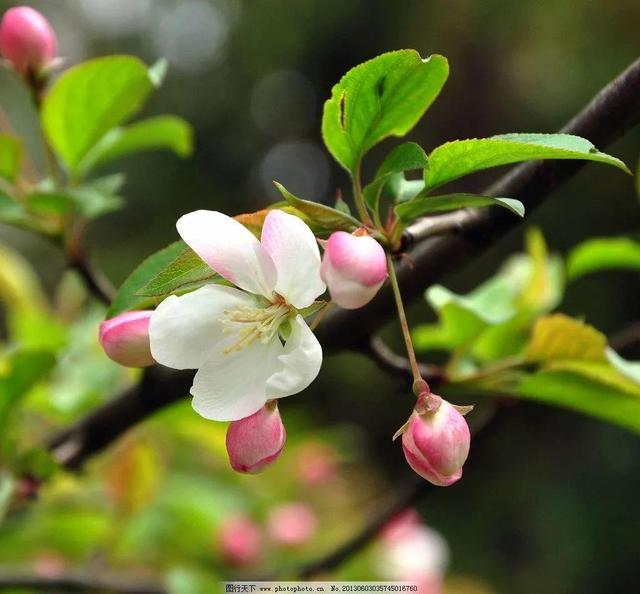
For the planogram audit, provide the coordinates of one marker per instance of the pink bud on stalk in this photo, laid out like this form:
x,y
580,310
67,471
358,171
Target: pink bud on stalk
x,y
27,41
125,339
256,441
240,541
354,268
436,440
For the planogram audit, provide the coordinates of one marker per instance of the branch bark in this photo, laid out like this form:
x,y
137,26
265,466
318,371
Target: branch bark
x,y
612,112
76,583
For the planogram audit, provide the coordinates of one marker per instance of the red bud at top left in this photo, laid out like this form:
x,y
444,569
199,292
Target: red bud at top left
x,y
27,40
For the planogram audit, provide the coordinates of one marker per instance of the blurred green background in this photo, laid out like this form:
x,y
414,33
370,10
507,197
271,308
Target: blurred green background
x,y
551,505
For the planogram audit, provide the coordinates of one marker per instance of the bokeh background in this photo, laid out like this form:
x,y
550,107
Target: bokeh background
x,y
551,505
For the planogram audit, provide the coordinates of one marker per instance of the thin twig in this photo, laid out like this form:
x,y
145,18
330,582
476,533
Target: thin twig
x,y
77,583
391,362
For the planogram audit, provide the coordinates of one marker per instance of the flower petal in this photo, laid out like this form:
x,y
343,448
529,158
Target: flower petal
x,y
230,249
232,386
184,330
300,362
294,251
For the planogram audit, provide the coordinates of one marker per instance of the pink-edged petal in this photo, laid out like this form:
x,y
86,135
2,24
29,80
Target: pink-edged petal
x,y
299,362
184,330
230,249
294,251
232,386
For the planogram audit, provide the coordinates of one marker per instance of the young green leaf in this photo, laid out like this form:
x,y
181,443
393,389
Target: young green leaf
x,y
324,217
456,159
13,213
10,157
558,337
162,132
603,253
90,99
424,205
579,392
187,269
385,96
127,298
406,157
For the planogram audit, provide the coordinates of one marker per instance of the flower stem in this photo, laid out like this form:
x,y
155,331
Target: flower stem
x,y
358,197
418,381
320,316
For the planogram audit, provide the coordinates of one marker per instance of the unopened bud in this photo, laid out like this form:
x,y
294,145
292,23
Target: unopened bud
x,y
354,268
240,541
125,339
436,444
256,441
292,524
27,40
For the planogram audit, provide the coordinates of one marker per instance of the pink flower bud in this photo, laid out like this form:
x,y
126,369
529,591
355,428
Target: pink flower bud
x,y
436,444
354,268
27,40
240,541
256,441
292,524
125,339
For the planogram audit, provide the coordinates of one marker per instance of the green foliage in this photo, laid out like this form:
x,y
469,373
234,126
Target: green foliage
x,y
90,99
405,157
21,371
322,216
186,270
456,159
10,157
423,205
14,213
161,132
127,297
603,253
385,96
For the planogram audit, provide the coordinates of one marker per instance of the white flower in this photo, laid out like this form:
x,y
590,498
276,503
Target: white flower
x,y
249,344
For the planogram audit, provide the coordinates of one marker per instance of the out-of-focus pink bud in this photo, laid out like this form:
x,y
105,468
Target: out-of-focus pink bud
x,y
256,441
436,443
240,541
354,268
27,40
292,524
401,526
125,339
316,464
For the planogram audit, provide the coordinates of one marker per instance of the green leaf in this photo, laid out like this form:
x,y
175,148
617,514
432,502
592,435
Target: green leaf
x,y
187,269
582,394
406,157
162,132
558,337
385,96
603,253
91,200
23,371
13,213
127,298
325,217
456,159
10,157
630,369
423,205
401,189
158,72
90,99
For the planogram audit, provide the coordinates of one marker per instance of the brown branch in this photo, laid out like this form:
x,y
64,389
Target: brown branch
x,y
607,117
396,364
76,583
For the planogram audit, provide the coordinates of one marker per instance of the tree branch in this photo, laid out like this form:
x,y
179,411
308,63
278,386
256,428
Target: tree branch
x,y
396,364
612,112
76,583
